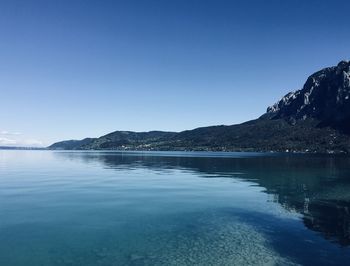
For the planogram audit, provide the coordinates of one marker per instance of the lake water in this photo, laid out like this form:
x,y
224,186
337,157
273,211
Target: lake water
x,y
168,208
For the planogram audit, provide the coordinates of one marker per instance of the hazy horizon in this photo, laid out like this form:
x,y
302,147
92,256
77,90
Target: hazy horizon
x,y
76,69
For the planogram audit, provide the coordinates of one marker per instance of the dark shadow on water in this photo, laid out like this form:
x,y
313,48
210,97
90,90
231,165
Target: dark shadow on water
x,y
331,218
299,244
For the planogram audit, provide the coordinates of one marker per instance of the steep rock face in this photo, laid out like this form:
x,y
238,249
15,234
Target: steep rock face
x,y
325,96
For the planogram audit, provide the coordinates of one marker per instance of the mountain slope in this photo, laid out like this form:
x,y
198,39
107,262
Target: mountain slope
x,y
116,140
71,144
313,119
124,139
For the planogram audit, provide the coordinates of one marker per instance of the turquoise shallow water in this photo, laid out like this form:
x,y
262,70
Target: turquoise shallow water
x,y
169,208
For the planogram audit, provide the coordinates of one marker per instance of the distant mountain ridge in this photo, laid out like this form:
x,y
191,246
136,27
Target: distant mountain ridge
x,y
313,119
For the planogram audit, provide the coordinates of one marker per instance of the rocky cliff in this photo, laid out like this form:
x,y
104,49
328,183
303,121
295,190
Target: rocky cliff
x,y
325,97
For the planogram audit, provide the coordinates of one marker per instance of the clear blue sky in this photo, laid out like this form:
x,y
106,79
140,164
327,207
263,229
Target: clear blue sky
x,y
75,69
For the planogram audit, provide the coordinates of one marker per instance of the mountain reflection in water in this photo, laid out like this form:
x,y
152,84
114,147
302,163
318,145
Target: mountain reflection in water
x,y
315,186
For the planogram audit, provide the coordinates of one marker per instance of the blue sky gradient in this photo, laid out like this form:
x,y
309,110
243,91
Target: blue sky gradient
x,y
75,69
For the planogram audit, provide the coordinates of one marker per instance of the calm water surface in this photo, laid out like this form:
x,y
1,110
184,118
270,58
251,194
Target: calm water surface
x,y
123,208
